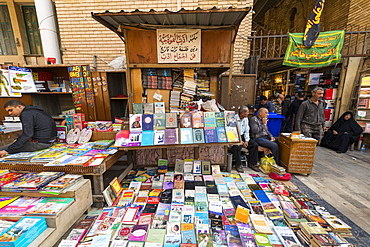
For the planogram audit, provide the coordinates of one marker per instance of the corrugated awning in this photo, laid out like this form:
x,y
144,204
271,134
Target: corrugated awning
x,y
199,18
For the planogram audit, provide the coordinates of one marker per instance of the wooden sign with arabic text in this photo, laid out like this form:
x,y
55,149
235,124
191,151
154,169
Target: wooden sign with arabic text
x,y
179,45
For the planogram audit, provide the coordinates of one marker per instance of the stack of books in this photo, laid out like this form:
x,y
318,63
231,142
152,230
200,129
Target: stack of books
x,y
190,87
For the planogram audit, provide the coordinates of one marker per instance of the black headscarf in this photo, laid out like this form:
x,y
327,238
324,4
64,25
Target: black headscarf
x,y
350,126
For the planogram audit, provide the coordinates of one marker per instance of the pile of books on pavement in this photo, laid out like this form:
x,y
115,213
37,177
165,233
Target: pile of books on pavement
x,y
205,207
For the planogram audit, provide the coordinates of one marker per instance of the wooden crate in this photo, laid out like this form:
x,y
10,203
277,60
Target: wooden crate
x,y
297,155
58,225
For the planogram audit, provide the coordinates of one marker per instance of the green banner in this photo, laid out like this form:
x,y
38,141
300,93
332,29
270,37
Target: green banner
x,y
324,52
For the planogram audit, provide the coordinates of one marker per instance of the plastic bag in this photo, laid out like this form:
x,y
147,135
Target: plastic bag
x,y
266,163
119,63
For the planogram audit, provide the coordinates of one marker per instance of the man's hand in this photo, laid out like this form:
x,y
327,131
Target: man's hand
x,y
3,153
245,144
264,121
272,139
335,133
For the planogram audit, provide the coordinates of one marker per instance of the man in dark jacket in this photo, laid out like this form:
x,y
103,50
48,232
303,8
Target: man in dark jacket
x,y
39,130
292,111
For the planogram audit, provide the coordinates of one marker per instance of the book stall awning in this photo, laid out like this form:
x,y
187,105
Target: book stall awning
x,y
207,19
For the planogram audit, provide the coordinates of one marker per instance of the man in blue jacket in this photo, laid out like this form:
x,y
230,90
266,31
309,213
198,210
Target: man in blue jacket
x,y
39,130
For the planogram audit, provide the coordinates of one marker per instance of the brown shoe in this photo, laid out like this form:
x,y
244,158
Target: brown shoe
x,y
254,168
239,169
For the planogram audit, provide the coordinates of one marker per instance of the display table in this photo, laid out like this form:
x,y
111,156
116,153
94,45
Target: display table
x,y
96,171
297,155
58,225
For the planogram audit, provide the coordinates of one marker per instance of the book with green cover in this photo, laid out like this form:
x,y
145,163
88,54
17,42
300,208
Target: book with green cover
x,y
156,235
137,108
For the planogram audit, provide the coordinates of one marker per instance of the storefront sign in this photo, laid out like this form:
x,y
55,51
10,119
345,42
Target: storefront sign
x,y
324,52
178,45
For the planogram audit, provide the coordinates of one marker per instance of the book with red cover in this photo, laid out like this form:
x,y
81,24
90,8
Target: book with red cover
x,y
9,177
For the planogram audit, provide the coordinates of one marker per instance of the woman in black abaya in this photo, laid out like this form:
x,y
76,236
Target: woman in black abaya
x,y
344,132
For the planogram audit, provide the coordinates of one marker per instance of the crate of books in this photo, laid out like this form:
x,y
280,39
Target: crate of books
x,y
23,232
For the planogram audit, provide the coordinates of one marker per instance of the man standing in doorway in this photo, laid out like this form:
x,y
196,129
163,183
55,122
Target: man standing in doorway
x,y
310,117
252,146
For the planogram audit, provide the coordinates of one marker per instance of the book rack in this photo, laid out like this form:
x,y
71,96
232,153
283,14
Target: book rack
x,y
96,172
59,224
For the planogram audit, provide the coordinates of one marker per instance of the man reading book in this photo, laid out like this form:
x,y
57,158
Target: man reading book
x,y
39,130
251,145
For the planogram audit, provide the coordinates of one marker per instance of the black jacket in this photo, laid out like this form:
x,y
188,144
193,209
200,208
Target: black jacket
x,y
37,125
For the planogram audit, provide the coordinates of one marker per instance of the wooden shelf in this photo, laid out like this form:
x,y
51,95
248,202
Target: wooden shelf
x,y
53,93
364,97
363,108
362,119
118,98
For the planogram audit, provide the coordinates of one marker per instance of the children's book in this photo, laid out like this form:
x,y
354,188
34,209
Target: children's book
x,y
50,206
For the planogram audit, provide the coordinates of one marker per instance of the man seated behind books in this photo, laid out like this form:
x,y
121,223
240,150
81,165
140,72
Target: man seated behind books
x,y
39,130
252,146
262,135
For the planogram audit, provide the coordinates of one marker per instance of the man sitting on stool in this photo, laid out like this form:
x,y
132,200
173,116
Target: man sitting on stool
x,y
262,135
252,146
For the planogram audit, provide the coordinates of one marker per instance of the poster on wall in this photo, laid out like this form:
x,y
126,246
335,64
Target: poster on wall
x,y
21,80
5,90
326,50
179,45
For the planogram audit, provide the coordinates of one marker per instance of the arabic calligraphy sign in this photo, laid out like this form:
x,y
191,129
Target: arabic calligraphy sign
x,y
313,24
324,52
178,45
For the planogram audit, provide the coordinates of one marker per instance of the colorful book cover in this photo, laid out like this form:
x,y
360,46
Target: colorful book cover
x,y
159,107
197,119
186,120
210,135
137,108
219,238
230,119
209,119
148,122
139,233
198,135
159,121
50,206
197,167
220,119
122,138
232,134
171,136
221,134
147,138
188,233
5,200
135,138
186,136
136,122
171,120
162,165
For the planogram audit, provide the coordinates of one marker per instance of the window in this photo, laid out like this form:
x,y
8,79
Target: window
x,y
7,42
32,29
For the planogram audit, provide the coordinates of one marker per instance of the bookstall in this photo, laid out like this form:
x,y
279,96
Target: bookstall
x,y
79,200
176,48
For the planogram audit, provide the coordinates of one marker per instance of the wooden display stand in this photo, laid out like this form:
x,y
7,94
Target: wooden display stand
x,y
58,225
7,136
297,155
96,172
